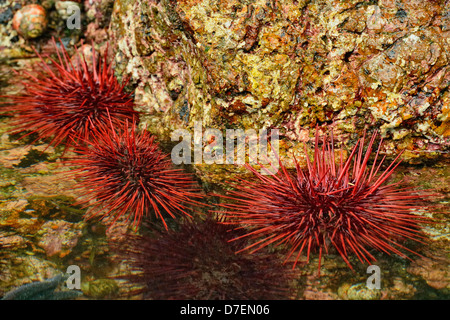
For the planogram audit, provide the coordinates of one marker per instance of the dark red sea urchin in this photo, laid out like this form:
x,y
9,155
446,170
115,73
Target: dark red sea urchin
x,y
67,100
126,174
346,205
198,261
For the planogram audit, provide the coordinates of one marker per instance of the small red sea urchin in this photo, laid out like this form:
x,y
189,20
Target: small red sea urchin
x,y
348,205
68,100
126,174
198,261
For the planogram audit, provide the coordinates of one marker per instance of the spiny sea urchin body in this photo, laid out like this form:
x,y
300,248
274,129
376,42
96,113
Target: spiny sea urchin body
x,y
347,205
67,100
126,174
198,261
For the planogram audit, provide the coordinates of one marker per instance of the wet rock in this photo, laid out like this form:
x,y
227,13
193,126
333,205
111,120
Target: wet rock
x,y
401,289
12,241
291,65
100,288
22,156
67,8
45,185
59,237
25,269
434,270
380,72
360,291
6,15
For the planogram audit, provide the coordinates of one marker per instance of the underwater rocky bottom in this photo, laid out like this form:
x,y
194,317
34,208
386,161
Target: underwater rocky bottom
x,y
42,233
297,62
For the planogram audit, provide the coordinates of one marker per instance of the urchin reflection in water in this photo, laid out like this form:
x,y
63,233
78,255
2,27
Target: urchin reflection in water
x,y
198,261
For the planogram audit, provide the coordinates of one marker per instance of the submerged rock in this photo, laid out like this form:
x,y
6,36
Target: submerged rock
x,y
59,237
434,270
360,291
100,288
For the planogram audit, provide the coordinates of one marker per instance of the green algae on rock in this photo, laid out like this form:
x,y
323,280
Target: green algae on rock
x,y
100,288
360,291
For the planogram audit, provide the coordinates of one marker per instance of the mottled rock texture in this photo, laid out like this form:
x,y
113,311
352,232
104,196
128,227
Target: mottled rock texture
x,y
292,65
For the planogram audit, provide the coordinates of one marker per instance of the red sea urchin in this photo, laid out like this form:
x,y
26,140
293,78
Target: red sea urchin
x,y
66,101
198,261
126,174
346,205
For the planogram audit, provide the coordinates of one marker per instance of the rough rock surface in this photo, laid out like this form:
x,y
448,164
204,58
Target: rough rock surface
x,y
292,65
